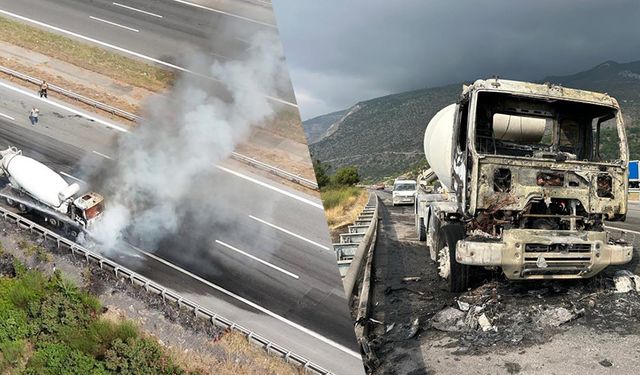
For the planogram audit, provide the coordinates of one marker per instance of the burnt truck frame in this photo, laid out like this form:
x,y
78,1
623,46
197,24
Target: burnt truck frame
x,y
536,212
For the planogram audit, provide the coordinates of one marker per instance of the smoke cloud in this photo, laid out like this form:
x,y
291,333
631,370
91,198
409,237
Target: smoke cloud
x,y
159,179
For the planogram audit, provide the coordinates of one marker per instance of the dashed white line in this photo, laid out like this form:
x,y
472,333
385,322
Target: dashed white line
x,y
137,10
72,177
114,24
254,305
133,53
58,105
92,40
290,233
103,155
258,259
225,13
264,184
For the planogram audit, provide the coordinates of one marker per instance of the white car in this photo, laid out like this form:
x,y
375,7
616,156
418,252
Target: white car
x,y
404,192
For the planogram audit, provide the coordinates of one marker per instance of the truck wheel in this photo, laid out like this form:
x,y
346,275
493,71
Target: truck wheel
x,y
23,208
422,230
456,274
10,202
54,222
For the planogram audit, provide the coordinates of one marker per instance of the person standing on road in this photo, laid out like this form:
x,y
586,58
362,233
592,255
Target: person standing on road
x,y
43,89
33,115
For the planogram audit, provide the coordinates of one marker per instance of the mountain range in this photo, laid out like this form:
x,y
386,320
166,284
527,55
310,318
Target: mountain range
x,y
383,136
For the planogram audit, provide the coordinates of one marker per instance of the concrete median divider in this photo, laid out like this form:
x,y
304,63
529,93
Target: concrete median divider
x,y
166,294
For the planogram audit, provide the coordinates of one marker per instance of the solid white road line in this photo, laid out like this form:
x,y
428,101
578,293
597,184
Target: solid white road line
x,y
253,305
61,106
290,233
7,116
114,24
225,13
137,10
258,260
622,229
281,191
72,177
133,53
103,155
104,44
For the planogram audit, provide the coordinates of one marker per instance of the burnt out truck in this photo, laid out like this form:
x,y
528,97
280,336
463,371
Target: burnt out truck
x,y
527,185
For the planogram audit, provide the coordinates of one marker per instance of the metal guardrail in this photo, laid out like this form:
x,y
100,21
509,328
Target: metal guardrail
x,y
72,95
167,295
275,170
133,117
370,212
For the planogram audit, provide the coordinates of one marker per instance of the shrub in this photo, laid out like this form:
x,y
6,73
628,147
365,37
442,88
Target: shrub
x,y
346,176
54,359
11,352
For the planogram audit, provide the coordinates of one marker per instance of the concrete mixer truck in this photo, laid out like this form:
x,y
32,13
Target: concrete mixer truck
x,y
34,188
525,184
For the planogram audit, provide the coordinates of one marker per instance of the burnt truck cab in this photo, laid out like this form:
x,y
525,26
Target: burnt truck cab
x,y
536,171
87,209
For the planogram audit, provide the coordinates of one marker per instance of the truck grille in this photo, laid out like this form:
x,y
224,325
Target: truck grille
x,y
561,259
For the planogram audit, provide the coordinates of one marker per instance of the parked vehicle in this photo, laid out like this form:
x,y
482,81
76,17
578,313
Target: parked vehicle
x,y
404,192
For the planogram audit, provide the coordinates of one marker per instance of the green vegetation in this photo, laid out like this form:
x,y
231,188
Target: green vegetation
x,y
383,136
49,326
84,55
335,196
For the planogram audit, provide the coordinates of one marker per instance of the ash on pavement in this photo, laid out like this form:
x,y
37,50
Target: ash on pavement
x,y
412,310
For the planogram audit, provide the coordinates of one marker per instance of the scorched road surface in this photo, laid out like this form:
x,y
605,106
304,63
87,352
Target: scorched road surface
x,y
264,263
417,327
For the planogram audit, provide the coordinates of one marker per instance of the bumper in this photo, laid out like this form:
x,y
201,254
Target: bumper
x,y
404,200
544,254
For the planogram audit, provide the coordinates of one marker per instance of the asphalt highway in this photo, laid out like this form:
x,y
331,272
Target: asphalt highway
x,y
264,262
165,32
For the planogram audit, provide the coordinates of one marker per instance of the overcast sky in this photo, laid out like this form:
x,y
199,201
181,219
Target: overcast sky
x,y
340,52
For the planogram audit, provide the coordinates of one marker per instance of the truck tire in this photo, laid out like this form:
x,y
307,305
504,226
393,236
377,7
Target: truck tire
x,y
458,275
421,229
10,202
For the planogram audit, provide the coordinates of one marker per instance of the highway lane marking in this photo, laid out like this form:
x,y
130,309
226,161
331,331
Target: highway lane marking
x,y
290,233
114,24
124,50
264,184
254,305
103,155
225,13
96,41
61,106
622,229
72,177
7,116
137,10
258,260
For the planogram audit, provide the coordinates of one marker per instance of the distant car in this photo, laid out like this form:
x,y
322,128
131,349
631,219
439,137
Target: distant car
x,y
379,186
404,192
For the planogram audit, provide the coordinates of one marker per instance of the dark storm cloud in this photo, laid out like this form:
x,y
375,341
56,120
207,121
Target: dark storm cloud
x,y
340,52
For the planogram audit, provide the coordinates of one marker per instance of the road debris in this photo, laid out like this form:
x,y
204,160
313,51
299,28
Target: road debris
x,y
449,320
625,281
485,324
605,363
410,279
413,330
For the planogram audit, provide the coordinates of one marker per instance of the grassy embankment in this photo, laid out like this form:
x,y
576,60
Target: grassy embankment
x,y
50,326
343,204
111,64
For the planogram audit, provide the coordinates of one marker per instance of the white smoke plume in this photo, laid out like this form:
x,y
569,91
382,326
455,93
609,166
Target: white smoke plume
x,y
184,134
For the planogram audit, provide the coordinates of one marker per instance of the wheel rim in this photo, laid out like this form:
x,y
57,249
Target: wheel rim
x,y
10,202
22,207
53,222
444,265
